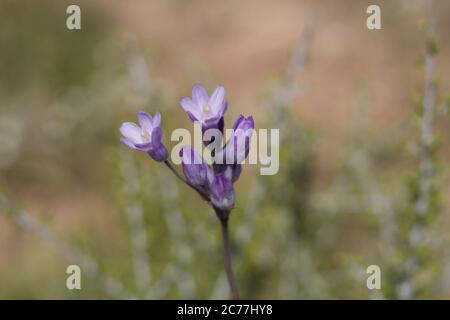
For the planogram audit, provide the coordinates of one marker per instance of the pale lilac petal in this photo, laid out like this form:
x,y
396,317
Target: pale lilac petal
x,y
194,112
216,101
199,95
157,120
127,142
146,121
131,131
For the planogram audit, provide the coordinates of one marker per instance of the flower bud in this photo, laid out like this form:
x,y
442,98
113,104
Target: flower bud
x,y
195,169
222,192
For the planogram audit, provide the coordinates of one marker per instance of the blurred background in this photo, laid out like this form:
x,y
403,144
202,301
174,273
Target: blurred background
x,y
347,100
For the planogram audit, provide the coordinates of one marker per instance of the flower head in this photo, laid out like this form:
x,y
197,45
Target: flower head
x,y
146,137
196,171
207,110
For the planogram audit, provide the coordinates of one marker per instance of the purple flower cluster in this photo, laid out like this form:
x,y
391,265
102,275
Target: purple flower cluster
x,y
213,182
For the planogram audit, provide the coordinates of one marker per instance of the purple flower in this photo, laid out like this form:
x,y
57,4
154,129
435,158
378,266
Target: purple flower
x,y
222,192
196,171
207,110
238,146
146,137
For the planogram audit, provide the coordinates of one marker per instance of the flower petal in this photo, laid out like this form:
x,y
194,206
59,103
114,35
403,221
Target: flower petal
x,y
127,142
146,121
156,137
216,101
157,120
199,95
131,131
191,109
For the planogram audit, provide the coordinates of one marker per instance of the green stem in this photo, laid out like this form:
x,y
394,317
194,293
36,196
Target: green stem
x,y
227,257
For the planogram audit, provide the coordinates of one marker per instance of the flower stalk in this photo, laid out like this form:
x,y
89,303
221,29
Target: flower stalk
x,y
223,217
